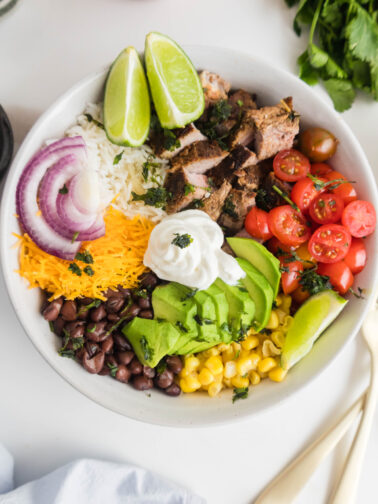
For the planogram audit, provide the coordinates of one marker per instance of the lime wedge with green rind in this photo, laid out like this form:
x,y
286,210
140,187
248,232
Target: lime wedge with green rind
x,y
127,102
174,83
312,318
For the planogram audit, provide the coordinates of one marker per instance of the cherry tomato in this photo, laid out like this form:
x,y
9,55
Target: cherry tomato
x,y
359,218
256,224
339,275
274,245
304,192
345,190
326,208
317,144
291,165
300,295
288,225
330,243
290,274
303,253
356,257
320,169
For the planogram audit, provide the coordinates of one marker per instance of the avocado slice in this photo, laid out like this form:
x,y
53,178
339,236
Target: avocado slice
x,y
221,310
259,257
259,290
151,339
241,306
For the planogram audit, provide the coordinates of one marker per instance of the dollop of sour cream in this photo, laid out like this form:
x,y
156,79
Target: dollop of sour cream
x,y
198,264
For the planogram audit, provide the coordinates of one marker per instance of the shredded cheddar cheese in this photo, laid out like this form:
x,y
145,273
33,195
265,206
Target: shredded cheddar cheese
x,y
117,260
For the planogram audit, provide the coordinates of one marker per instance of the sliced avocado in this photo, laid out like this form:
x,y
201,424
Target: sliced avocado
x,y
259,290
151,339
241,306
259,257
220,302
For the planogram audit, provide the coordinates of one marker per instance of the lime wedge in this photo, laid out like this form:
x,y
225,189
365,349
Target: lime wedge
x,y
312,318
127,102
175,86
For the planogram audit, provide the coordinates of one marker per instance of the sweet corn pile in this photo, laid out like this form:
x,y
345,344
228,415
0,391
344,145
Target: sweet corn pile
x,y
240,364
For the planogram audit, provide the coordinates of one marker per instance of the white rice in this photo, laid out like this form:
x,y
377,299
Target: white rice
x,y
126,176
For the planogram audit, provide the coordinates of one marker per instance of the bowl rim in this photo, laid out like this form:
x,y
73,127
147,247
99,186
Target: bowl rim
x,y
85,81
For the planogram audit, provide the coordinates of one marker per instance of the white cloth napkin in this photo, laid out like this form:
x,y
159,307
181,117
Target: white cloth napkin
x,y
89,481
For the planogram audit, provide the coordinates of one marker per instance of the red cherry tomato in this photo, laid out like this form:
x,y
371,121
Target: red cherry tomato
x,y
304,192
291,165
345,190
356,257
326,208
359,218
274,245
288,225
290,275
300,295
339,275
320,169
256,224
330,243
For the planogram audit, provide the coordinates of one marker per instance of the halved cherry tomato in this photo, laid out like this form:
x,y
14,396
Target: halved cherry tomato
x,y
326,208
288,225
345,190
339,275
300,295
304,192
318,144
356,257
291,165
330,243
290,274
320,169
274,245
256,224
359,218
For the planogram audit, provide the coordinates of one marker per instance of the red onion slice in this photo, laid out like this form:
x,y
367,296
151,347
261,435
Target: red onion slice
x,y
85,192
70,216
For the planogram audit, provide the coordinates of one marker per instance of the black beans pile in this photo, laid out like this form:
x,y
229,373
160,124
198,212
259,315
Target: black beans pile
x,y
91,333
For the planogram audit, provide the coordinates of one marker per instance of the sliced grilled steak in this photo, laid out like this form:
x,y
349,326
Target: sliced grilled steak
x,y
243,157
240,101
237,205
275,128
214,203
215,88
267,198
199,157
245,133
223,171
185,136
249,178
185,187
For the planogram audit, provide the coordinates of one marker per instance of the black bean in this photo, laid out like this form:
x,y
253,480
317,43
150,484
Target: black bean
x,y
122,374
144,303
149,372
93,364
147,314
126,293
173,390
111,361
142,383
114,304
165,379
85,301
96,331
69,310
121,342
132,311
135,367
125,357
174,363
149,281
113,317
107,345
105,371
98,314
109,293
82,314
75,329
52,310
58,326
91,348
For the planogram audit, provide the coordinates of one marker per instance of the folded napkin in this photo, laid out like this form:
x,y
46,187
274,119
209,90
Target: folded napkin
x,y
89,481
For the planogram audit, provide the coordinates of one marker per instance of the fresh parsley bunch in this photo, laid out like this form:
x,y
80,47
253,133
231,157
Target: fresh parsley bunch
x,y
342,48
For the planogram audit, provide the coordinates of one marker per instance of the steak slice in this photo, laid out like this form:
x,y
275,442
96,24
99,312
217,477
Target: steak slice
x,y
243,157
245,133
238,203
240,101
185,187
275,128
223,171
250,178
214,87
214,203
267,198
199,157
185,136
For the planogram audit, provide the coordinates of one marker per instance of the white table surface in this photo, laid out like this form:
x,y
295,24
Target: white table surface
x,y
45,47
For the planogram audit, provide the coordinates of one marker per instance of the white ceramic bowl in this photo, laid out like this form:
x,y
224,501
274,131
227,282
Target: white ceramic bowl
x,y
271,85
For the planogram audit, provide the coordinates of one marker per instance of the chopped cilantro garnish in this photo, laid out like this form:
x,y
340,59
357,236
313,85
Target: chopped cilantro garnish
x,y
229,208
84,256
63,190
74,236
90,118
189,188
113,369
88,271
240,393
182,241
181,326
155,196
118,158
312,282
148,352
74,268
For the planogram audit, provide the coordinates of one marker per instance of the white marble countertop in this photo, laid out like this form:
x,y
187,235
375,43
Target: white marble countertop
x,y
45,47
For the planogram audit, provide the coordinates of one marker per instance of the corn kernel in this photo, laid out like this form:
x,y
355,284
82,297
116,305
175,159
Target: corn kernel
x,y
222,347
205,377
278,338
243,365
236,346
269,349
239,382
250,342
288,321
262,375
214,389
279,299
229,369
227,382
286,304
184,373
273,321
228,354
190,383
278,374
210,352
191,363
281,315
254,378
215,364
265,365
255,358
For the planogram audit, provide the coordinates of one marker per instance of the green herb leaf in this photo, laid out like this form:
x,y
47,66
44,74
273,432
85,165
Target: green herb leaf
x,y
312,282
113,369
181,326
148,352
118,158
74,268
362,34
240,393
84,257
189,188
74,236
90,118
171,142
359,294
88,271
229,208
190,294
285,196
155,196
182,241
341,93
63,190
